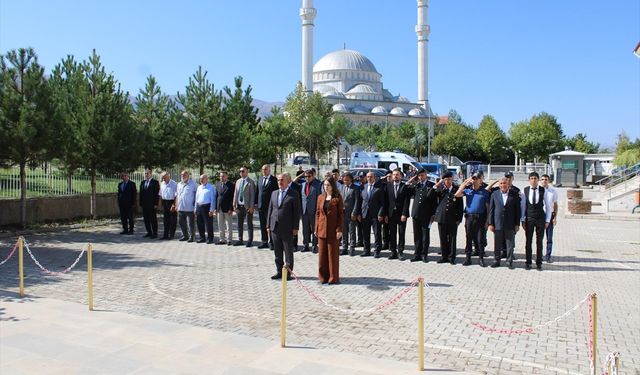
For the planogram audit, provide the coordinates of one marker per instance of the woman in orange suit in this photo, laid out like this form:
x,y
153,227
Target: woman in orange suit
x,y
329,216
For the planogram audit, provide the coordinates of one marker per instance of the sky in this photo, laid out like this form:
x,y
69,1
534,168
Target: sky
x,y
510,59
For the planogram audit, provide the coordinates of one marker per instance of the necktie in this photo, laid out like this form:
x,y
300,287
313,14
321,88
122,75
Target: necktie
x,y
369,192
241,199
280,197
307,189
533,199
395,189
266,179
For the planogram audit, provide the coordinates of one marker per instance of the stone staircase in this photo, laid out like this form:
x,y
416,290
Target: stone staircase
x,y
621,196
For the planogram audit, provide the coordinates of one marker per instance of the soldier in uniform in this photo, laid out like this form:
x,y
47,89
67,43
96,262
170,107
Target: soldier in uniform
x,y
448,216
422,212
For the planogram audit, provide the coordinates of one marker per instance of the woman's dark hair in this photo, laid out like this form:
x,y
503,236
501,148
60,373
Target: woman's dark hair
x,y
334,188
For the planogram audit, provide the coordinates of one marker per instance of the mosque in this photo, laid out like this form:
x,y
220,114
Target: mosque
x,y
350,82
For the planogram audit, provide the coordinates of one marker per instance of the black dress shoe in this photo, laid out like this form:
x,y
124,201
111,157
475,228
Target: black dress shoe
x,y
467,262
376,254
475,253
124,232
249,244
202,240
481,262
352,252
495,265
416,259
527,267
503,255
221,242
190,240
366,253
209,242
183,239
442,260
130,232
155,235
344,252
277,276
394,255
539,267
511,266
263,246
425,259
147,235
314,250
305,249
360,244
452,261
401,255
238,243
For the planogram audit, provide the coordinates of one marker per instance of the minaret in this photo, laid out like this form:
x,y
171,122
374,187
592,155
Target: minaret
x,y
422,31
307,14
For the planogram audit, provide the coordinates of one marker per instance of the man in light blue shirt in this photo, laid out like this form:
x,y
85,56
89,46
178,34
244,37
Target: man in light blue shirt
x,y
205,206
185,205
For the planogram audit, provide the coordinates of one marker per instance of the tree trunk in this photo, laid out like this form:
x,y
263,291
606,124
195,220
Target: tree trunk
x,y
201,167
69,183
23,194
93,195
338,156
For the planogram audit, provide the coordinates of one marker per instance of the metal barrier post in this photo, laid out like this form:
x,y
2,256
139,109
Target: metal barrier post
x,y
594,329
283,316
421,324
21,264
90,275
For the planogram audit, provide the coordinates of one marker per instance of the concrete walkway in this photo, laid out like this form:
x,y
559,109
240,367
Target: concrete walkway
x,y
48,336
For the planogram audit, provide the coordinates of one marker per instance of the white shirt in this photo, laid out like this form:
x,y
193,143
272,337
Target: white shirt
x,y
186,194
206,194
168,190
547,204
505,196
553,194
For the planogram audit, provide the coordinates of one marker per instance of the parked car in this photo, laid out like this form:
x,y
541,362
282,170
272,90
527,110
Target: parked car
x,y
304,160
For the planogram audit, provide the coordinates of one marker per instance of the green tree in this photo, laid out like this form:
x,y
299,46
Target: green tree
x,y
492,140
420,139
627,152
310,117
155,116
202,121
458,140
536,138
112,139
580,143
71,114
278,137
24,113
240,121
339,128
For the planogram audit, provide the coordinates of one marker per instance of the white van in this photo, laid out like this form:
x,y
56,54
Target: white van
x,y
386,160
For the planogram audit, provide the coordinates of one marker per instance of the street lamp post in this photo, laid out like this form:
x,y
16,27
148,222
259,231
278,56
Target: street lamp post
x,y
429,112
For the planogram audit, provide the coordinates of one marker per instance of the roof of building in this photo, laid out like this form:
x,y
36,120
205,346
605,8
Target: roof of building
x,y
344,59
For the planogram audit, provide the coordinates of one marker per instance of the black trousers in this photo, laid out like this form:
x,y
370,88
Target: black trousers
x,y
150,219
385,234
126,217
421,237
282,249
367,225
264,234
169,219
348,232
243,213
448,233
397,230
308,227
530,226
359,229
473,225
203,219
500,238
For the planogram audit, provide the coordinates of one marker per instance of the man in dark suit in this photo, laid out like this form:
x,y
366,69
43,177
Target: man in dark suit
x,y
371,215
225,190
422,212
396,213
536,207
267,184
149,189
385,225
351,198
503,220
126,203
310,189
283,220
448,216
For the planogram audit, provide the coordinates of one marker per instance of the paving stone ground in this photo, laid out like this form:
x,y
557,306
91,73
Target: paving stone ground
x,y
228,289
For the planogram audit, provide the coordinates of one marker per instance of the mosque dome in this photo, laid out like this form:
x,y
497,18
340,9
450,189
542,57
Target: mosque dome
x,y
416,112
344,59
340,108
333,94
363,91
402,99
379,110
398,111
